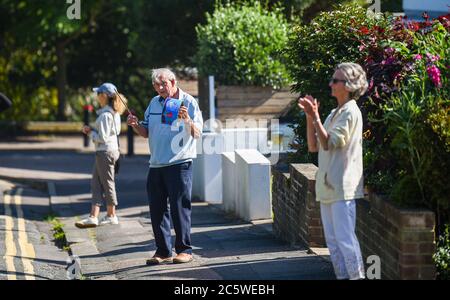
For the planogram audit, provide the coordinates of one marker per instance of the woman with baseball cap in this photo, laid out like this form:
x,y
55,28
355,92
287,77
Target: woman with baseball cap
x,y
105,135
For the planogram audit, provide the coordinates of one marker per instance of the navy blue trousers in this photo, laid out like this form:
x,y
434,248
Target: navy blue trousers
x,y
173,183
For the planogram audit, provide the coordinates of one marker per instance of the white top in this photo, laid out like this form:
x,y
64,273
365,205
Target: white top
x,y
104,134
340,174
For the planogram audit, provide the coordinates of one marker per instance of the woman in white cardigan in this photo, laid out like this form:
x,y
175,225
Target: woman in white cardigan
x,y
339,180
105,134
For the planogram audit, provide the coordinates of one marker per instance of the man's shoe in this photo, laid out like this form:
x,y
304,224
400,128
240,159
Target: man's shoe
x,y
158,260
183,258
87,223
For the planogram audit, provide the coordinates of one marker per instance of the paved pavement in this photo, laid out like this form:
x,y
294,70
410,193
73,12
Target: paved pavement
x,y
224,247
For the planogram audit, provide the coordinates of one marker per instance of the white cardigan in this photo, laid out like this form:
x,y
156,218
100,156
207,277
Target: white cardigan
x,y
340,174
104,134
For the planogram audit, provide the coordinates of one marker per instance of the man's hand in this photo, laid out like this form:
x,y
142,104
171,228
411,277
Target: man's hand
x,y
183,114
132,121
86,130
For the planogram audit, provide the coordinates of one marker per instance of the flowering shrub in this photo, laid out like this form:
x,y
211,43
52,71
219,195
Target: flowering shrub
x,y
417,121
442,255
406,108
315,49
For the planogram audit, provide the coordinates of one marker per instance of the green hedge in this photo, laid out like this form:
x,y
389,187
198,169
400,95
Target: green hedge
x,y
240,45
406,109
314,51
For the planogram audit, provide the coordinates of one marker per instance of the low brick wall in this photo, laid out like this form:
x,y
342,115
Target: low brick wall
x,y
296,213
402,238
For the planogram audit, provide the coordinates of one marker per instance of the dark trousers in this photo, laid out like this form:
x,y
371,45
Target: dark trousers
x,y
173,183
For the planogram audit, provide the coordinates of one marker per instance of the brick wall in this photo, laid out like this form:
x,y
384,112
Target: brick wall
x,y
402,238
296,213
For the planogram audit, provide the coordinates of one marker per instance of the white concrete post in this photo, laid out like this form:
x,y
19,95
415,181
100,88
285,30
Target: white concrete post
x,y
229,192
253,185
207,180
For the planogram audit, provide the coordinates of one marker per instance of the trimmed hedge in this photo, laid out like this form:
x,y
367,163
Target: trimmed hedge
x,y
240,45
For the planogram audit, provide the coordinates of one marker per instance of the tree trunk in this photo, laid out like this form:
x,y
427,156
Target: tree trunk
x,y
61,80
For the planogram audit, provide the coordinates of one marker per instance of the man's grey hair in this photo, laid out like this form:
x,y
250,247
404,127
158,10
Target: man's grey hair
x,y
163,72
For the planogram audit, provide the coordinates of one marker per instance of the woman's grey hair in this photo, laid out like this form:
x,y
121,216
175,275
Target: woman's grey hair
x,y
163,72
356,79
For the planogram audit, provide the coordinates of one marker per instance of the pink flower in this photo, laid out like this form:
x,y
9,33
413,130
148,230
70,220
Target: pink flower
x,y
435,75
417,57
389,51
433,58
389,61
371,84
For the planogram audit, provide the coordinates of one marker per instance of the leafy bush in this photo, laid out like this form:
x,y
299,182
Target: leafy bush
x,y
417,121
32,100
406,108
240,45
442,255
314,51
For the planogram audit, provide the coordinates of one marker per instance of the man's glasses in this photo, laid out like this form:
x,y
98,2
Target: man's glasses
x,y
335,80
160,84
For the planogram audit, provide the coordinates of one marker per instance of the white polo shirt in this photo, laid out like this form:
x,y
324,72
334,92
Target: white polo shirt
x,y
171,144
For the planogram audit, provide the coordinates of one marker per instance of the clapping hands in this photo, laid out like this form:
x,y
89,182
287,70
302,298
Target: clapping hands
x,y
309,105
